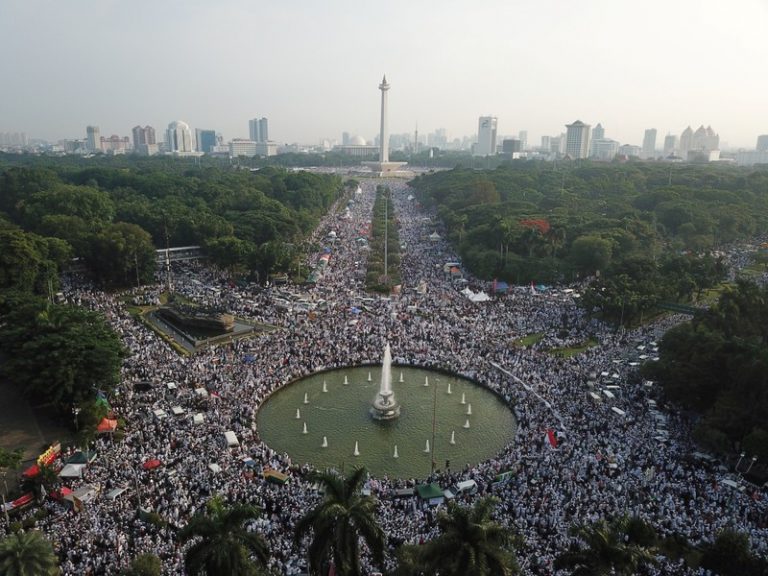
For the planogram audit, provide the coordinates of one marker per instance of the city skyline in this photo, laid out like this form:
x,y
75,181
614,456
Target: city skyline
x,y
316,64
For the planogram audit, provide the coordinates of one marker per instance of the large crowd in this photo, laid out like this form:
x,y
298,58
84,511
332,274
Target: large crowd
x,y
617,450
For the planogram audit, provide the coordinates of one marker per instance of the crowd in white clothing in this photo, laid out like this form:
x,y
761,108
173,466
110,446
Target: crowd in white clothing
x,y
636,459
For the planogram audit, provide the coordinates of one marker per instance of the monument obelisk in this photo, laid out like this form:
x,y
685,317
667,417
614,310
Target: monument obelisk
x,y
383,133
384,167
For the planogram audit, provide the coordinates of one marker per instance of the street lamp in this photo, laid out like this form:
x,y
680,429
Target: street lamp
x,y
752,463
741,457
75,412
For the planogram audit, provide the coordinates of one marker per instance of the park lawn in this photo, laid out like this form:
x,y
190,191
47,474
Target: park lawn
x,y
529,340
573,350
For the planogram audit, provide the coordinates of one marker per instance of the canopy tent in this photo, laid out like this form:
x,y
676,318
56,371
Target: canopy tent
x,y
274,476
198,418
213,467
431,492
475,296
82,457
72,471
231,439
151,464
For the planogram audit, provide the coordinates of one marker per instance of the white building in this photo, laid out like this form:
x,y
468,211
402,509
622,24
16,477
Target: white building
x,y
178,139
486,136
605,149
577,140
649,143
93,139
241,147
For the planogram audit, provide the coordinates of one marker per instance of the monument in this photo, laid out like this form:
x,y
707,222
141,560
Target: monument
x,y
385,407
384,167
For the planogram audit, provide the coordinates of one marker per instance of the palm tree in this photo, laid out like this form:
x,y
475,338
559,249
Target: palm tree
x,y
27,554
339,521
605,548
471,542
222,543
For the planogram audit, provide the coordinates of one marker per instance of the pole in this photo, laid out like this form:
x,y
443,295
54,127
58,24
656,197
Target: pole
x,y
7,518
386,238
434,415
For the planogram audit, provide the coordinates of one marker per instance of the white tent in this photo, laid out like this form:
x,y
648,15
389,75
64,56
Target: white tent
x,y
215,468
198,418
231,438
72,471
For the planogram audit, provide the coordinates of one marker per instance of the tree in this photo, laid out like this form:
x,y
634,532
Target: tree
x,y
591,253
221,542
27,554
59,354
604,548
470,542
122,254
339,521
729,555
144,565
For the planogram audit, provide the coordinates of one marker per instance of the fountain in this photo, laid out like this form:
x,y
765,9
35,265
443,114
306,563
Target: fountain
x,y
469,409
426,448
369,377
325,386
463,398
298,414
385,407
346,381
306,397
426,381
325,441
395,455
357,449
453,437
449,388
401,376
305,429
466,424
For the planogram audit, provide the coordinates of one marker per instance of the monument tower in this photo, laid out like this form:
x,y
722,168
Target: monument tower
x,y
383,135
384,167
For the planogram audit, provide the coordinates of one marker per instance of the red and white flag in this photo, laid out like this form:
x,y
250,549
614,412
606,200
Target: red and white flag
x,y
552,437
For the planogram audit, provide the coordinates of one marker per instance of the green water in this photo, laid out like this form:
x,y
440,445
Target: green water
x,y
342,415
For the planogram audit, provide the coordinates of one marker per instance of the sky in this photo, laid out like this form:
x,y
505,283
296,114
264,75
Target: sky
x,y
312,67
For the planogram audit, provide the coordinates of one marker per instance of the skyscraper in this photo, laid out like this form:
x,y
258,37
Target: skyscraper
x,y
178,138
144,141
670,145
649,143
577,140
597,134
762,143
523,137
93,139
486,136
206,140
258,128
686,142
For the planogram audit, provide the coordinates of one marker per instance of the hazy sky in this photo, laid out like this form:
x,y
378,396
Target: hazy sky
x,y
313,66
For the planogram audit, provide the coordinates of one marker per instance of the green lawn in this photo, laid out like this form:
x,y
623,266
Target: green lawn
x,y
573,350
529,340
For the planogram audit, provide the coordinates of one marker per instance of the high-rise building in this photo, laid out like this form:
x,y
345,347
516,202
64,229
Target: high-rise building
x,y
93,139
577,140
597,134
604,149
511,146
762,143
686,142
670,145
649,143
258,129
178,138
206,140
486,136
523,137
144,141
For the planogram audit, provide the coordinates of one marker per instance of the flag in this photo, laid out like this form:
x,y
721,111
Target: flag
x,y
533,290
552,437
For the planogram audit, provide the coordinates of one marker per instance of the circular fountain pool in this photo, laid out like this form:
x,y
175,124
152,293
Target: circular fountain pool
x,y
340,418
